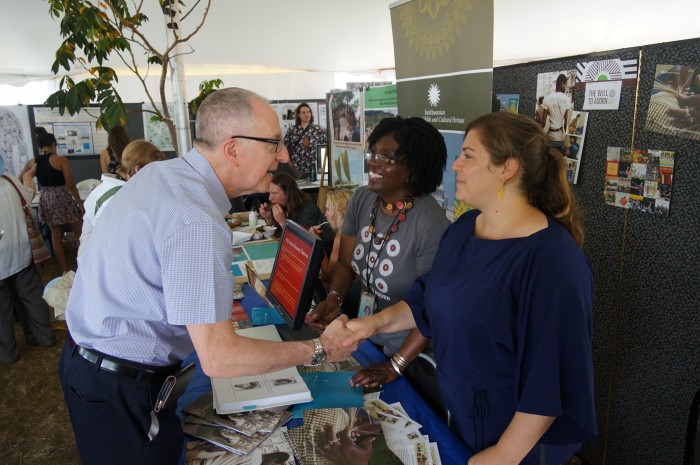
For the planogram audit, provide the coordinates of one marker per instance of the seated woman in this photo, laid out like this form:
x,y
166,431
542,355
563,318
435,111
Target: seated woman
x,y
390,234
336,204
111,157
136,155
287,201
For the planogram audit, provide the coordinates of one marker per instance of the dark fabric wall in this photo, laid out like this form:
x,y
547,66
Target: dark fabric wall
x,y
646,342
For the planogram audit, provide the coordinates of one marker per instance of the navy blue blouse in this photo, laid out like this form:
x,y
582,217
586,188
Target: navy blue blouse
x,y
511,327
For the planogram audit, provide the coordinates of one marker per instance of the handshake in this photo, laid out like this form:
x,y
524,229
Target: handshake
x,y
342,336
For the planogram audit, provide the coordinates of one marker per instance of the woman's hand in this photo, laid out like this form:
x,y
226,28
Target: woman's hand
x,y
374,375
266,212
316,231
279,214
324,313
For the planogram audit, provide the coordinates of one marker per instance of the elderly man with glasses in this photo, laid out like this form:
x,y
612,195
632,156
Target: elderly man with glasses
x,y
154,283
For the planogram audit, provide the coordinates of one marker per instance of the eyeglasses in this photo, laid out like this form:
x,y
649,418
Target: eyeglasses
x,y
277,142
381,158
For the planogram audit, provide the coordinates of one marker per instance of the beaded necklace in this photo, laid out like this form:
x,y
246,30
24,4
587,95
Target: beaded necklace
x,y
403,206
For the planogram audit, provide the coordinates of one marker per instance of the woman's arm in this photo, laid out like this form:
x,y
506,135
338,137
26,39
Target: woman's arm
x,y
68,175
27,176
381,373
521,435
341,281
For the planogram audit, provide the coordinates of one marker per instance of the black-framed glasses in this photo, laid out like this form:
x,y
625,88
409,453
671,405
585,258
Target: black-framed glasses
x,y
276,142
381,158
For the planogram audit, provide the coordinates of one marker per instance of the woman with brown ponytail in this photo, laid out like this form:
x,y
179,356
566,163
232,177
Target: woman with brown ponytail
x,y
508,301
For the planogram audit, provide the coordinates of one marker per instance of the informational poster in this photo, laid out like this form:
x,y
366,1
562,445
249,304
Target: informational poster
x,y
347,138
15,138
639,179
674,105
509,102
75,134
380,102
613,69
444,70
604,95
156,132
573,144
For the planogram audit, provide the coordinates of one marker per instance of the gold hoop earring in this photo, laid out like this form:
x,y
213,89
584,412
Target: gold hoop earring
x,y
502,191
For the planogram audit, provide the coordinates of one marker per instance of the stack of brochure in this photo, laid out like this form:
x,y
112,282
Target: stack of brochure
x,y
403,435
279,388
275,449
239,433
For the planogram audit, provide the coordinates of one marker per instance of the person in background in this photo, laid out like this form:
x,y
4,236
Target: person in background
x,y
539,112
155,283
302,138
336,204
508,301
287,201
557,106
390,234
59,202
111,157
20,284
136,155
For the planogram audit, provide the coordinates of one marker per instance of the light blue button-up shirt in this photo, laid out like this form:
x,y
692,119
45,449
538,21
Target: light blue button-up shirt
x,y
158,259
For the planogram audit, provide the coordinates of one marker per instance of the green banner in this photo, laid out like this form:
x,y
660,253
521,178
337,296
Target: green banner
x,y
380,97
449,103
443,51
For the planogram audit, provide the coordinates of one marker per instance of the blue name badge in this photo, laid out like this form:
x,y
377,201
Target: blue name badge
x,y
261,316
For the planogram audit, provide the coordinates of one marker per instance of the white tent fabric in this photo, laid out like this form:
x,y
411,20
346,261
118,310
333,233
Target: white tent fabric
x,y
282,47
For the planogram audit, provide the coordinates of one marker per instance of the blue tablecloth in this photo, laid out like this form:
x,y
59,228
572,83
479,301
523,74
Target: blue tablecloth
x,y
452,450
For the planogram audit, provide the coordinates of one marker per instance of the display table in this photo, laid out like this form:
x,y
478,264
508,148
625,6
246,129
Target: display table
x,y
452,450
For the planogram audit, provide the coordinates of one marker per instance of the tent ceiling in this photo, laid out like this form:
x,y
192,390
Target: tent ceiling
x,y
274,36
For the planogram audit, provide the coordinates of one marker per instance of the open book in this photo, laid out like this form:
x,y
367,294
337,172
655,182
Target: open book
x,y
283,387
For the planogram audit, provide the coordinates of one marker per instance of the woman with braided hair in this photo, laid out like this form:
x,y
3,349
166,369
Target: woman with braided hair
x,y
389,237
507,303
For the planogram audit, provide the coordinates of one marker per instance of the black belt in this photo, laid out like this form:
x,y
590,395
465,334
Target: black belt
x,y
114,365
554,130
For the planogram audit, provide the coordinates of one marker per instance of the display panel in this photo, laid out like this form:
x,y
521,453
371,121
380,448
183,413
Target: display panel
x,y
295,273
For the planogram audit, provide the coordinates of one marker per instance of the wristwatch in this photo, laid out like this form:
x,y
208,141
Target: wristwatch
x,y
319,353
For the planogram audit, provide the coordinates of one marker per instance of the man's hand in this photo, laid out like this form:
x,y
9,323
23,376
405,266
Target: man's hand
x,y
333,340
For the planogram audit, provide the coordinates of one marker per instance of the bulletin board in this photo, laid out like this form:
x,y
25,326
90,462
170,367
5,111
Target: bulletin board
x,y
645,318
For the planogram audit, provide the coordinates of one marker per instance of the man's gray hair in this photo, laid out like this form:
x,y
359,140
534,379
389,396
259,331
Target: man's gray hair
x,y
225,113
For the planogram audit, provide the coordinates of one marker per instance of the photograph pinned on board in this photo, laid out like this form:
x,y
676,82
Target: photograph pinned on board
x,y
346,111
573,144
639,179
509,102
347,169
555,101
674,105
